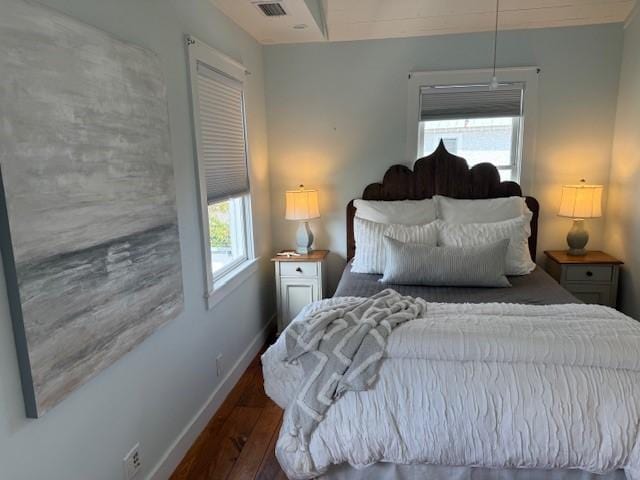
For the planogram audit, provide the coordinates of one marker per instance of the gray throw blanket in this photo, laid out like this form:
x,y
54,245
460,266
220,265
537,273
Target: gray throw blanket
x,y
339,348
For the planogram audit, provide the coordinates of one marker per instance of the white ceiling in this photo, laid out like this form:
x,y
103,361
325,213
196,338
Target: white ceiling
x,y
369,19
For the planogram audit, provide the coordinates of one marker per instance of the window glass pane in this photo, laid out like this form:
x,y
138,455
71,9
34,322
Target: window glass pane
x,y
506,175
475,139
227,234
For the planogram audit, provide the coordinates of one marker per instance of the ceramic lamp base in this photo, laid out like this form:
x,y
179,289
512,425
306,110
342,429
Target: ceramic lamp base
x,y
304,238
577,238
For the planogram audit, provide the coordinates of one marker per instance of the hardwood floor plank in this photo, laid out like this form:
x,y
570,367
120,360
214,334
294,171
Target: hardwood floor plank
x,y
239,441
246,382
270,468
250,459
187,465
253,395
197,458
226,447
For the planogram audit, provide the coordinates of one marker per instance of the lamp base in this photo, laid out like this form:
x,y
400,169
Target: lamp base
x,y
304,239
577,238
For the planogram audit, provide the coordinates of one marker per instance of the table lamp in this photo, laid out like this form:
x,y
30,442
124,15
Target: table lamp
x,y
579,202
302,205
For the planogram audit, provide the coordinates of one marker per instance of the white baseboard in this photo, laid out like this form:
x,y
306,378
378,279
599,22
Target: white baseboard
x,y
178,449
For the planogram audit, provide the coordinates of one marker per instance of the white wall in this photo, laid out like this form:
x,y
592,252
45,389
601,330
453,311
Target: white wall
x,y
337,116
623,212
152,393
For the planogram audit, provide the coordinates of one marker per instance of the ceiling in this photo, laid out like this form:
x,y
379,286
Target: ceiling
x,y
341,20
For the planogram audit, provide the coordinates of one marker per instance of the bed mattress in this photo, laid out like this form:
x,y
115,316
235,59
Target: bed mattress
x,y
537,288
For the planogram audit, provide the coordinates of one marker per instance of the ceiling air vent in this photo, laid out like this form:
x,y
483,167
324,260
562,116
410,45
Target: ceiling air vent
x,y
271,9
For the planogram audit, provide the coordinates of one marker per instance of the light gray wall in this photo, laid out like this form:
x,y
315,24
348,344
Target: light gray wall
x,y
337,116
623,212
152,393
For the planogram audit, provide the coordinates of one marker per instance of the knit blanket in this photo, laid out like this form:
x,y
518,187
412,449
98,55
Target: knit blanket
x,y
339,349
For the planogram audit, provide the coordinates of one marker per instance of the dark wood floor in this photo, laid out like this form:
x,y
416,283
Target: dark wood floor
x,y
239,441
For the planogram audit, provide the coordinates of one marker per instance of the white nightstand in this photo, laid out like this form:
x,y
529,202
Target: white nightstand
x,y
300,280
593,278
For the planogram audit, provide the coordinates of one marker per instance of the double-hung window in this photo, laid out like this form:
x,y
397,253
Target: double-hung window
x,y
217,91
474,121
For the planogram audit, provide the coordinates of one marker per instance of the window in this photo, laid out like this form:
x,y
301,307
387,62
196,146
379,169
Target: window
x,y
227,239
475,122
217,92
478,140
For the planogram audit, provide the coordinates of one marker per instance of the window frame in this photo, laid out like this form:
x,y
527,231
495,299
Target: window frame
x,y
218,285
524,172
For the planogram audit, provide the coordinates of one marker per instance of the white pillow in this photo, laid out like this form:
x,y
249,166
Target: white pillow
x,y
370,252
403,212
453,210
517,230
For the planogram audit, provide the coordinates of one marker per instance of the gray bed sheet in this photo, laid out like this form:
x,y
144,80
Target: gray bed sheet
x,y
537,288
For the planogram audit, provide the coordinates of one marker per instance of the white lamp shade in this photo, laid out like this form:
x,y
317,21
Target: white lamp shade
x,y
301,204
581,201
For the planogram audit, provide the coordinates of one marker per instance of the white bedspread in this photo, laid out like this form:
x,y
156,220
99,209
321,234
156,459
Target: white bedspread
x,y
494,385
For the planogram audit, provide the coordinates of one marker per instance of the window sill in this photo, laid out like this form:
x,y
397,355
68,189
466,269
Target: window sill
x,y
232,280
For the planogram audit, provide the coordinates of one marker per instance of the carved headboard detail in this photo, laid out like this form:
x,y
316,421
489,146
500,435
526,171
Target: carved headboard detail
x,y
442,173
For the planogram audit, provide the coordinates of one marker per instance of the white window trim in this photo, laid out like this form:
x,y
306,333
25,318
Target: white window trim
x,y
219,286
525,75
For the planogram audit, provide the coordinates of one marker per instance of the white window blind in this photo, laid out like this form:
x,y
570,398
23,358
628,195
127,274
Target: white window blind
x,y
457,102
222,134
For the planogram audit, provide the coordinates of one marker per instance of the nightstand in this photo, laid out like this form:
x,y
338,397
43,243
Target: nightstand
x,y
592,278
300,280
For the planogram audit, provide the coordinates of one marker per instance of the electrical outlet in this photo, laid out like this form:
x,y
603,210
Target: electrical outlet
x,y
132,462
219,365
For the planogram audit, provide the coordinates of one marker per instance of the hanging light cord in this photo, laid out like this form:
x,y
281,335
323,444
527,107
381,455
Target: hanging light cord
x,y
495,39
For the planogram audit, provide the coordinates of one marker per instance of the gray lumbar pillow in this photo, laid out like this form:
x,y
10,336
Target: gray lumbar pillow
x,y
416,264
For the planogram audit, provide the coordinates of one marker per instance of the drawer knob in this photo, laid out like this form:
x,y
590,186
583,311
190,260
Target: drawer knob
x,y
589,273
299,270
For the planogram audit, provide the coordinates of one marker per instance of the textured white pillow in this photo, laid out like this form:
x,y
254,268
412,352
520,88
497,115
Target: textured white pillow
x,y
403,212
370,253
453,210
517,230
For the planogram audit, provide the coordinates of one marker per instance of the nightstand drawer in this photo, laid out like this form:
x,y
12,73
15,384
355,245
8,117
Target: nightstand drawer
x,y
591,293
298,269
589,273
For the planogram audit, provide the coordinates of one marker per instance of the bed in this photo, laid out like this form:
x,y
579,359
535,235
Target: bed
x,y
518,383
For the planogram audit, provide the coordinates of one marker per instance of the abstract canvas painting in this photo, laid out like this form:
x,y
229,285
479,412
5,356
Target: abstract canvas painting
x,y
88,221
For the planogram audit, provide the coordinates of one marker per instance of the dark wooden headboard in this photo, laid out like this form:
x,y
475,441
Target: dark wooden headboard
x,y
442,173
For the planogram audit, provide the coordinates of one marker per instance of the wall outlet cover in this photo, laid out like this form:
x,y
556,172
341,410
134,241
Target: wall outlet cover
x,y
132,462
219,365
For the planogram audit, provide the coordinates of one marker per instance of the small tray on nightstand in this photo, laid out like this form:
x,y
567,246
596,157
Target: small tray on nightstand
x,y
592,278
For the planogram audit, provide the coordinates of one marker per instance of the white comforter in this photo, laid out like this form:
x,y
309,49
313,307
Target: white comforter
x,y
493,385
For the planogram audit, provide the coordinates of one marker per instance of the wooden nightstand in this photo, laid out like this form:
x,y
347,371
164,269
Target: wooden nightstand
x,y
593,278
300,280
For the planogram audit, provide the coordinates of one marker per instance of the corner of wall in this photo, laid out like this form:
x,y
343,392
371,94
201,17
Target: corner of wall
x,y
622,228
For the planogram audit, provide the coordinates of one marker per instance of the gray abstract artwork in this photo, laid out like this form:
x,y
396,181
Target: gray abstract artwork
x,y
88,215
